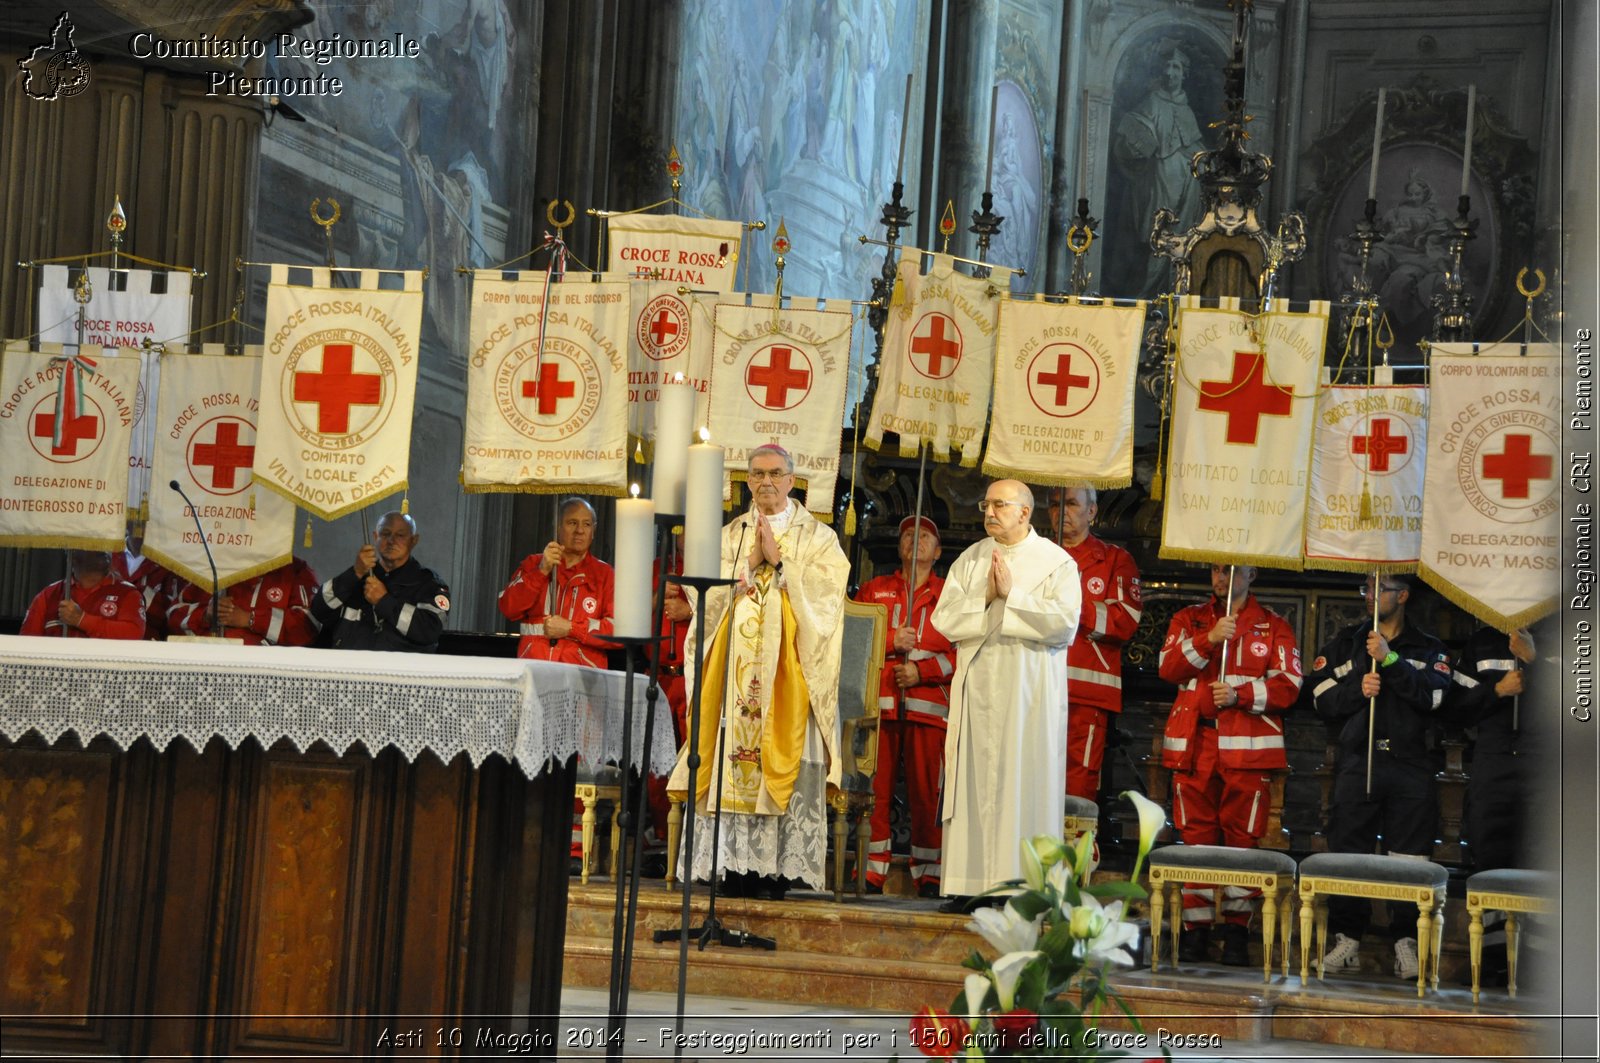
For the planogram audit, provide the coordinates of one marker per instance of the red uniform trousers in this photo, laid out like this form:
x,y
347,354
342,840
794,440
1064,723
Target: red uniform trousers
x,y
1213,805
656,785
1086,749
918,750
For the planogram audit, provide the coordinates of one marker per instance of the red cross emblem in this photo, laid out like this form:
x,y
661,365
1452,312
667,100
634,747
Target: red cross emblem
x,y
939,339
662,328
224,455
777,376
548,388
337,388
1379,446
1063,380
1517,466
1246,398
77,429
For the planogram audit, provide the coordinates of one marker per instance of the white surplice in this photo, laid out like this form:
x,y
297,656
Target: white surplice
x,y
1005,752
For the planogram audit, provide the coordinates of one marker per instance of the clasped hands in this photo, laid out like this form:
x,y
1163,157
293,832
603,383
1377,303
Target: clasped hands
x,y
999,583
372,588
765,548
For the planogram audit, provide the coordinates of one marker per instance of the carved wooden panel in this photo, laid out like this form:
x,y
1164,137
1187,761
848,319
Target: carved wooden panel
x,y
54,847
304,942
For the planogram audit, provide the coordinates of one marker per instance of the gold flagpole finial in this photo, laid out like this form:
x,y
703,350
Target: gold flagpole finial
x,y
947,225
780,247
116,225
675,170
550,214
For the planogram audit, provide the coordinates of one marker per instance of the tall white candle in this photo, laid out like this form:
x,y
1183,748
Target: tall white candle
x,y
674,425
636,547
905,128
988,167
1377,139
1466,154
702,517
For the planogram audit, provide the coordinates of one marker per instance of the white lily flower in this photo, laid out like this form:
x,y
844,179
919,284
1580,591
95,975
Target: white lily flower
x,y
1039,854
977,987
1100,933
1007,971
1058,878
1005,929
1152,817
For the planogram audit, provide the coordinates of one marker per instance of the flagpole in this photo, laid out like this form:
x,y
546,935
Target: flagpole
x,y
1227,610
1372,702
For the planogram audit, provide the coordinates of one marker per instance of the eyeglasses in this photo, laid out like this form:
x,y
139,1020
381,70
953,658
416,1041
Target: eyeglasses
x,y
756,476
1366,590
986,504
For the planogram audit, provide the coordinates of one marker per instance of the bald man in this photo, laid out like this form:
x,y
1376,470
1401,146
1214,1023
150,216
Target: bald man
x,y
1010,604
386,600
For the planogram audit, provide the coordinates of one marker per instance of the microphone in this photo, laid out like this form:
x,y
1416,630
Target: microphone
x,y
216,624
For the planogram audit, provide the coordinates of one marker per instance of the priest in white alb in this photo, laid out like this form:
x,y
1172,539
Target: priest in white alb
x,y
780,710
1011,605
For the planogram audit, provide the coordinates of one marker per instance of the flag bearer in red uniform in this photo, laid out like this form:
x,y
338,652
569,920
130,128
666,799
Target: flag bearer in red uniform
x,y
913,707
100,606
1111,611
272,609
677,614
131,566
1238,670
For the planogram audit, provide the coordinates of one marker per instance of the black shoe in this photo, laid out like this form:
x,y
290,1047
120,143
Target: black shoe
x,y
1235,946
770,888
575,867
732,885
958,904
654,865
873,889
928,890
1194,945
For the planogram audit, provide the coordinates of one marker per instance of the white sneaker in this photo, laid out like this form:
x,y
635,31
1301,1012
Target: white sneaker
x,y
1405,959
1344,956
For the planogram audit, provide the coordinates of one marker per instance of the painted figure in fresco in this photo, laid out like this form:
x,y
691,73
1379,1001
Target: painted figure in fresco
x,y
1154,144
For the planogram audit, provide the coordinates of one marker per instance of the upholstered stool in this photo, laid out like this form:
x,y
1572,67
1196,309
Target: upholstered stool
x,y
1082,816
1508,890
605,786
1390,878
1220,866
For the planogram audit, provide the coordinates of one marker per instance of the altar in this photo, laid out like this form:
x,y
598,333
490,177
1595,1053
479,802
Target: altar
x,y
218,850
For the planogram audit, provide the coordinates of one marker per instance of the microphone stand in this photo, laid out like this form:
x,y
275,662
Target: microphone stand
x,y
216,622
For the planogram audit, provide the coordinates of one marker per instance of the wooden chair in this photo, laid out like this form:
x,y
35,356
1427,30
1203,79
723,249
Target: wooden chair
x,y
861,657
1509,890
1393,878
1220,866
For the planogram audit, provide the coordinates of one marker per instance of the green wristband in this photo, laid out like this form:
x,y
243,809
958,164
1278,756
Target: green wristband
x,y
1387,661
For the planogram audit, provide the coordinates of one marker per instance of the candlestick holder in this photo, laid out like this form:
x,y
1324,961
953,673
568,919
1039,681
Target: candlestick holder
x,y
1358,306
986,223
1452,303
895,217
1080,237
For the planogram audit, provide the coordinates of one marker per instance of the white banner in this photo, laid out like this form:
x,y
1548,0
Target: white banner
x,y
697,252
550,417
1365,509
778,376
938,360
670,333
1243,403
1065,414
1491,521
207,414
338,383
126,307
66,459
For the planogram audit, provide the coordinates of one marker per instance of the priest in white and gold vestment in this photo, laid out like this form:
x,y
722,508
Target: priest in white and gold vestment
x,y
1010,604
780,709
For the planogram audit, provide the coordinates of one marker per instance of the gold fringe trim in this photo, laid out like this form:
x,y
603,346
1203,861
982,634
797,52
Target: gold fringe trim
x,y
1230,557
1504,622
604,490
1157,486
1033,476
203,579
1344,564
65,542
331,515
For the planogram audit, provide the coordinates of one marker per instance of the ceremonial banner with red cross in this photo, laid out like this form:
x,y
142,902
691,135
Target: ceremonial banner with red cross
x,y
670,334
1244,395
1491,520
1365,507
1063,395
338,383
547,393
938,360
206,412
695,252
778,376
126,308
66,420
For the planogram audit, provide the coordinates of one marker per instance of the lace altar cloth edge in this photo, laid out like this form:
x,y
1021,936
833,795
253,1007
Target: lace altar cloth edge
x,y
526,711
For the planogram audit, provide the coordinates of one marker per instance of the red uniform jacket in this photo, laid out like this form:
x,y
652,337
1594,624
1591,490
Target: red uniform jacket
x,y
1263,667
113,610
583,595
1111,611
279,603
152,581
933,654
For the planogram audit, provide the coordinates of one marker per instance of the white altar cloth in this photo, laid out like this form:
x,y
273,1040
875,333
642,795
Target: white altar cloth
x,y
527,711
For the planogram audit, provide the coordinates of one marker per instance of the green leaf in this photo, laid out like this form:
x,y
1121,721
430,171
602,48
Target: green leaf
x,y
976,962
1030,904
1112,890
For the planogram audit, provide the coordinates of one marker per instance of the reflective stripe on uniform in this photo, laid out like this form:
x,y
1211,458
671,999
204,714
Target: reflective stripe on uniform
x,y
1250,741
1089,675
403,623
